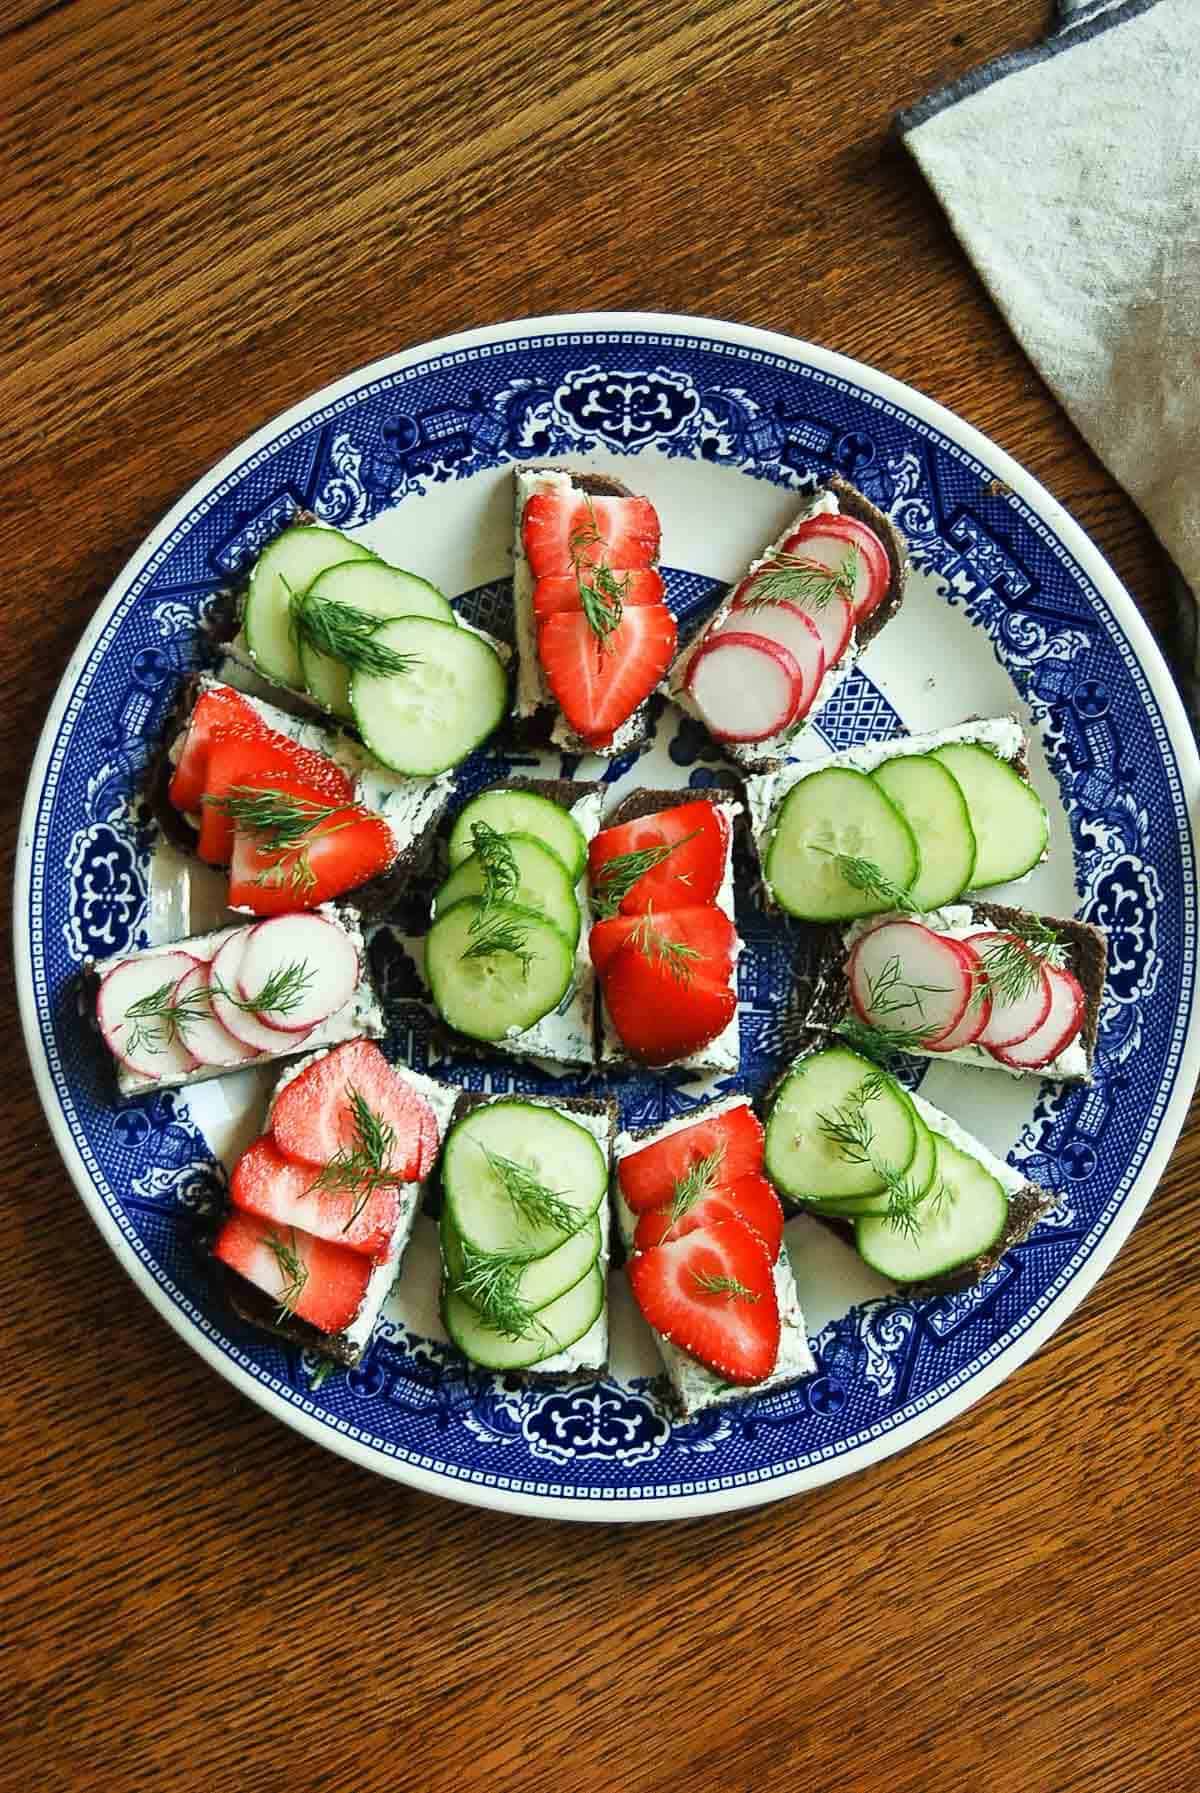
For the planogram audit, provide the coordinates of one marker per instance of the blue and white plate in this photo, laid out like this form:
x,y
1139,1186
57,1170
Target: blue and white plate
x,y
1010,608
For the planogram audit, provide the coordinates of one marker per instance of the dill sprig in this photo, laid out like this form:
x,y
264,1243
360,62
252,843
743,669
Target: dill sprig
x,y
617,877
601,593
159,1018
865,875
880,1043
282,992
1011,967
793,577
500,932
280,819
345,634
710,1283
700,1180
293,1271
363,1166
849,1128
889,992
676,955
491,1282
497,862
536,1203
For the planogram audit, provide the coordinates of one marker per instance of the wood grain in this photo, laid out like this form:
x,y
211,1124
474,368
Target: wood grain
x,y
209,212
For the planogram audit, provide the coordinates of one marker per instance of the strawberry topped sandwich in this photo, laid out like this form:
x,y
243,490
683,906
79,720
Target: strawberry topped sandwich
x,y
594,635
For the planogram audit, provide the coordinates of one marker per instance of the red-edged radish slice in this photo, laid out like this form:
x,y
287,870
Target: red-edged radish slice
x,y
903,975
1013,1021
826,541
142,1044
746,687
327,975
211,1043
241,1023
1064,1020
833,620
791,628
975,1018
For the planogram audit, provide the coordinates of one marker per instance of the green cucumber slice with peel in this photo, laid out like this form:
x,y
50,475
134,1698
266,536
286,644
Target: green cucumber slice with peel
x,y
289,565
491,1208
826,816
919,1177
522,812
449,699
962,1220
544,884
803,1162
1008,817
931,801
552,1330
490,991
542,1280
373,589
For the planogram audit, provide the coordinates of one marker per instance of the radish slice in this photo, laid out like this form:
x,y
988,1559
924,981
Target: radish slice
x,y
746,687
1012,1021
211,1043
833,621
142,1043
903,975
975,1018
328,971
826,540
241,1023
1064,1020
791,628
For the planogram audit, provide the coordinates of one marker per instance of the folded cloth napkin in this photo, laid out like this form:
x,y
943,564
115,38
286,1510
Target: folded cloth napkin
x,y
1071,176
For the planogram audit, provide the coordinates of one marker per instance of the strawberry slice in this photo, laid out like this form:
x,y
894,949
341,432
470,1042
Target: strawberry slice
x,y
697,939
712,1293
751,1200
217,714
237,759
344,847
598,684
309,1278
667,995
362,1216
564,530
315,1117
560,591
683,852
649,1177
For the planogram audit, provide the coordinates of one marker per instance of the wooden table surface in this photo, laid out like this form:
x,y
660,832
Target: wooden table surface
x,y
208,212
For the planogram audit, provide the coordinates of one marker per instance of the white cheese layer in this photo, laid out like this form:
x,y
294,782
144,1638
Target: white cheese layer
x,y
1010,1180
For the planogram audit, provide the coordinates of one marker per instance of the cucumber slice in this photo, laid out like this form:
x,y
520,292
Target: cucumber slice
x,y
374,589
832,813
522,812
919,1176
1008,817
429,718
544,884
557,1326
966,1221
490,995
931,802
802,1161
554,1149
289,564
542,1280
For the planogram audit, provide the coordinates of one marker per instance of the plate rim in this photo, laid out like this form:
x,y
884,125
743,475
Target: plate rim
x,y
597,1507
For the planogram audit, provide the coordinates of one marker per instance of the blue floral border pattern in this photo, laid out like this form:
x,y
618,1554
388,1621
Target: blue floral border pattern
x,y
770,418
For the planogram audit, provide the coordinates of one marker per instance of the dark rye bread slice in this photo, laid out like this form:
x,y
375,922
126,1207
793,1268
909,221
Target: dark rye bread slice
x,y
828,995
260,1311
595,1105
536,730
748,756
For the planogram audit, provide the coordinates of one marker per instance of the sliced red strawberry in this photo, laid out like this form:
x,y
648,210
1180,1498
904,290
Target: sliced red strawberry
x,y
826,539
690,843
219,709
598,684
345,848
314,1116
667,988
560,591
648,1178
751,1200
702,936
563,530
309,1278
235,760
712,1293
362,1217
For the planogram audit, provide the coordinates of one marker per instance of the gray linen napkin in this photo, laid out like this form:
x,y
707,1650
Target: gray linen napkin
x,y
1071,176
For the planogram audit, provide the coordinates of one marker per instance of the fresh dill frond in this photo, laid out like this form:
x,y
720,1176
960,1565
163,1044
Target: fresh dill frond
x,y
849,1128
364,1165
498,864
710,1283
500,932
491,1282
158,1019
537,1205
793,578
345,634
617,877
282,992
699,1181
676,955
865,875
293,1271
601,593
1012,966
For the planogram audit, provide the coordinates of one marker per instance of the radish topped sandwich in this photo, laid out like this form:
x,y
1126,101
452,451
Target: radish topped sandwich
x,y
787,633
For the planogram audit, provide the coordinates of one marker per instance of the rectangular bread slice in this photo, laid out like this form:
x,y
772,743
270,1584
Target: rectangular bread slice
x,y
837,496
724,1053
826,1000
538,718
588,1356
348,1346
359,1015
694,1387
